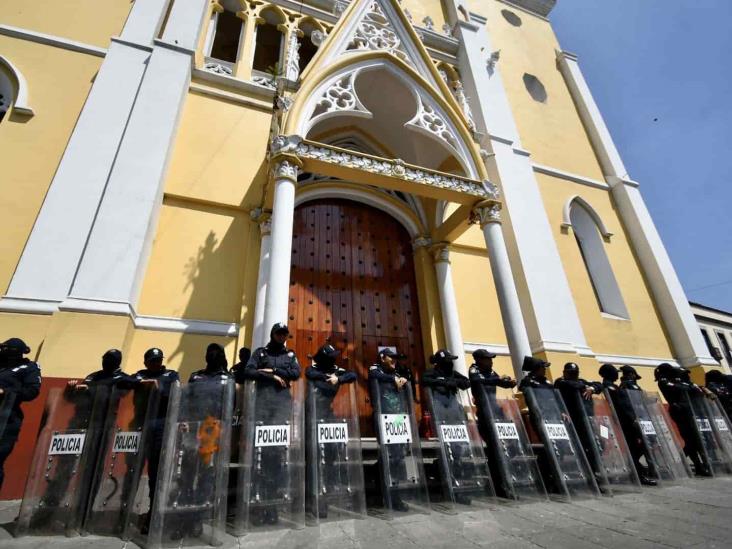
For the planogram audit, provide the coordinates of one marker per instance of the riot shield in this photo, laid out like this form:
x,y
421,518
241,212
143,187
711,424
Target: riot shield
x,y
7,399
335,481
511,459
63,463
663,460
671,442
717,457
404,485
721,424
190,499
568,472
271,492
112,503
463,467
613,449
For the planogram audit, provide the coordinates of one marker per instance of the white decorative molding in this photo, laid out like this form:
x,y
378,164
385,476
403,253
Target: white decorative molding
x,y
482,215
376,33
575,178
285,170
317,37
496,348
292,66
428,23
250,88
464,104
430,121
567,220
264,81
50,40
218,68
340,97
421,241
97,306
339,6
27,305
441,252
20,101
634,360
447,30
186,326
394,168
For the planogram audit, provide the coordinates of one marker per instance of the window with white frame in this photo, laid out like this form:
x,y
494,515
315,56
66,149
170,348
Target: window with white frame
x,y
592,248
268,44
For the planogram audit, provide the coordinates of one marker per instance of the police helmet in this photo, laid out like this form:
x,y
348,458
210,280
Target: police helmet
x,y
532,364
483,353
571,367
628,370
279,328
16,345
113,357
608,371
153,354
443,355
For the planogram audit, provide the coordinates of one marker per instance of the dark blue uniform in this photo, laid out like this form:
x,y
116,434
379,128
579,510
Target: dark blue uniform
x,y
116,378
22,379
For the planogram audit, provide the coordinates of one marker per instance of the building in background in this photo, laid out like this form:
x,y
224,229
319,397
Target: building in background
x,y
716,329
415,174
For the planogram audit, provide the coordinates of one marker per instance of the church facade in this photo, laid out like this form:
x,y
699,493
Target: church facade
x,y
414,174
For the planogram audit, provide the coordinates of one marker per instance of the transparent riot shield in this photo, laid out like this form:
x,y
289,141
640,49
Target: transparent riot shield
x,y
661,456
404,485
335,481
512,462
463,467
112,507
721,424
190,499
612,447
271,458
63,463
568,472
717,457
7,399
671,442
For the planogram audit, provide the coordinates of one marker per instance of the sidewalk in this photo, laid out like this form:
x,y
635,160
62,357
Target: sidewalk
x,y
696,513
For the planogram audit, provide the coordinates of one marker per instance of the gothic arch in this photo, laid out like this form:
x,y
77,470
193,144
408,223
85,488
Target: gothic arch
x,y
567,211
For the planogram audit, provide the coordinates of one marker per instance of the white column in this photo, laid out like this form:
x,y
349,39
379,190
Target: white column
x,y
283,211
66,217
673,305
110,275
547,303
259,333
448,304
489,218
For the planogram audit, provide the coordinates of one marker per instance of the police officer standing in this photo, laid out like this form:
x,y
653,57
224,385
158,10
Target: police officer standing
x,y
216,366
155,372
273,368
721,386
20,379
483,383
627,416
325,378
111,374
385,385
677,393
245,353
535,377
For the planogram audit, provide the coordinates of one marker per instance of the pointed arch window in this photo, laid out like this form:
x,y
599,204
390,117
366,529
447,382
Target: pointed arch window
x,y
13,90
590,233
226,37
309,43
268,43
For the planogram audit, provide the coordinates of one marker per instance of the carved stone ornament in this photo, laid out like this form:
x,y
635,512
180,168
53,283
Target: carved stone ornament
x,y
284,103
265,226
340,96
491,190
430,121
286,170
392,168
492,60
266,81
489,213
218,68
376,33
339,7
421,242
317,38
284,144
428,23
292,67
464,104
441,253
447,29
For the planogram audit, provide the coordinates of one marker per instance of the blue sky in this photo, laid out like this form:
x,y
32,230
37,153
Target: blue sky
x,y
669,60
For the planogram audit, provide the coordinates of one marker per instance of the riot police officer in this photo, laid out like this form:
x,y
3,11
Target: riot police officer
x,y
445,383
273,368
627,418
385,385
677,393
20,379
216,366
325,378
721,385
483,383
245,353
156,372
535,377
111,374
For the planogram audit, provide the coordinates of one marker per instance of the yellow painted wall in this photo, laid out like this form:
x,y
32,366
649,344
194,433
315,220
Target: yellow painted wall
x,y
196,268
30,328
58,83
219,154
643,334
419,9
475,292
88,21
551,131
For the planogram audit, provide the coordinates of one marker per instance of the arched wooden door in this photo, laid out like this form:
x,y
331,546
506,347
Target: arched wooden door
x,y
353,281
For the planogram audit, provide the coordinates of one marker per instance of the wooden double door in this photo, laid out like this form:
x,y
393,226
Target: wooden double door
x,y
353,284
